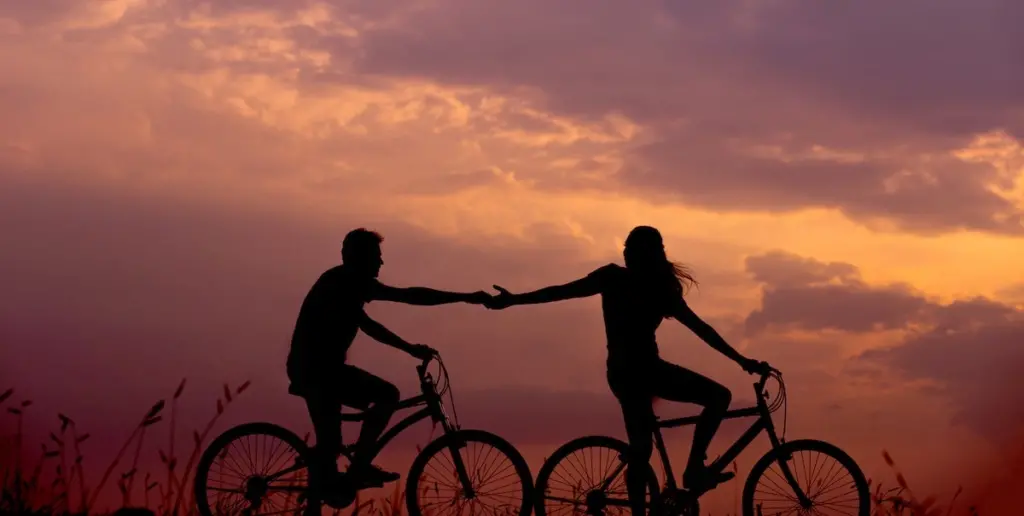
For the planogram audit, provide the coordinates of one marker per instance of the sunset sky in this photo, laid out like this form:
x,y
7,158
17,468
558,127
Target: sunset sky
x,y
846,180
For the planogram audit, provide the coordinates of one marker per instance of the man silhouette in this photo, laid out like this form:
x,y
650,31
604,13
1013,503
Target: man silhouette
x,y
331,316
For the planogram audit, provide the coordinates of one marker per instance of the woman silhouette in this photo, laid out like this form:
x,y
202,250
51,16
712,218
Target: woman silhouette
x,y
634,300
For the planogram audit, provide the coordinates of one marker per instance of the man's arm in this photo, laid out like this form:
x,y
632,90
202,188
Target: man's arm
x,y
691,320
424,296
378,332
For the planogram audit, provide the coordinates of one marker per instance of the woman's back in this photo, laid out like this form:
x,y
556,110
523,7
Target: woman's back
x,y
633,310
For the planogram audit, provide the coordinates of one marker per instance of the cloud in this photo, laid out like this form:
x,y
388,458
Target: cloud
x,y
775,107
969,349
713,107
802,293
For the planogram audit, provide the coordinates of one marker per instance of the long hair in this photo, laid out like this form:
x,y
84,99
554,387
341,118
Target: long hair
x,y
645,253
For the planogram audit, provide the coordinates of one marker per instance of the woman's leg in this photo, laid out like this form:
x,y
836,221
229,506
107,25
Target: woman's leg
x,y
633,394
674,383
639,418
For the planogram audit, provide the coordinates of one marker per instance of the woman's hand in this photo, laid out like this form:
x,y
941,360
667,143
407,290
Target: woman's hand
x,y
501,301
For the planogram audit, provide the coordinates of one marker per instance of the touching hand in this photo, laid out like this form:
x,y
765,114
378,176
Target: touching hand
x,y
422,351
500,301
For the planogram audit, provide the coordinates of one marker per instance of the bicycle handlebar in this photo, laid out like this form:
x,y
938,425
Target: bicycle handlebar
x,y
421,369
770,372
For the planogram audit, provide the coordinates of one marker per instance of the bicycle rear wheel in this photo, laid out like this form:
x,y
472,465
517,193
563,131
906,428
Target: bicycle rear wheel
x,y
253,469
496,471
587,476
830,479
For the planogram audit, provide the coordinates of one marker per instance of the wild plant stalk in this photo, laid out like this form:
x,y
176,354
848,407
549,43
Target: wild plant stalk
x,y
3,397
82,491
198,439
18,439
151,417
130,475
170,460
62,474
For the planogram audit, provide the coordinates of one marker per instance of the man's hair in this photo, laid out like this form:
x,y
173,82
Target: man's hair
x,y
358,241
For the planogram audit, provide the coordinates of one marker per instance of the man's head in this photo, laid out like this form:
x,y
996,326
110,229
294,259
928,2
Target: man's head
x,y
361,251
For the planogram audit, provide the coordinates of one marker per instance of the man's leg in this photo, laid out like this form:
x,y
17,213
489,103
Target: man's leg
x,y
675,383
325,414
379,399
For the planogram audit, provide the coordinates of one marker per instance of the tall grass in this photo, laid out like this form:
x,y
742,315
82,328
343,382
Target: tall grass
x,y
65,489
55,482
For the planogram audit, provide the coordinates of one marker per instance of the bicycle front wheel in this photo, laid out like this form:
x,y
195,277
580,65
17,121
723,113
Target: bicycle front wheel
x,y
495,473
830,479
587,476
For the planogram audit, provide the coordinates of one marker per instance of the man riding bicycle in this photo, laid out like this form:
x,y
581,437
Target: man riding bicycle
x,y
331,316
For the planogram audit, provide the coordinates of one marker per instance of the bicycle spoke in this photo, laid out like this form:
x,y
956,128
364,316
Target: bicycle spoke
x,y
252,476
827,484
575,483
495,482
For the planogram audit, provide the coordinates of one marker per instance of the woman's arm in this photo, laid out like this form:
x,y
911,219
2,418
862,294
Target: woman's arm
x,y
584,287
691,320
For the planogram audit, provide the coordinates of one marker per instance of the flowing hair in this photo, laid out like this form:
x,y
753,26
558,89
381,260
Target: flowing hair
x,y
645,251
683,276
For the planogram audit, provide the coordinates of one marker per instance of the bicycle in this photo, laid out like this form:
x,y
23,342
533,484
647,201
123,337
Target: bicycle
x,y
291,482
672,500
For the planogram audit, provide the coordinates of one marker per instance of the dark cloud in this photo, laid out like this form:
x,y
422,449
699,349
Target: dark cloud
x,y
735,75
648,58
781,269
969,348
709,83
978,367
802,293
923,196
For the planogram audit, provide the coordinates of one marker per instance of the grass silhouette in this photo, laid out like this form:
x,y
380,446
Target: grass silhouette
x,y
55,483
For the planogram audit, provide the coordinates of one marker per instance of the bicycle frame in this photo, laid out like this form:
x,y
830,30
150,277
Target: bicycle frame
x,y
763,423
432,407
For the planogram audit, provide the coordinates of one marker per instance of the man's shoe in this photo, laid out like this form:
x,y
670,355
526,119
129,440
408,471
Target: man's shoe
x,y
372,475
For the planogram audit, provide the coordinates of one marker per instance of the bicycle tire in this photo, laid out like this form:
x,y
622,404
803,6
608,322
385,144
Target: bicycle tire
x,y
221,442
522,469
575,445
842,458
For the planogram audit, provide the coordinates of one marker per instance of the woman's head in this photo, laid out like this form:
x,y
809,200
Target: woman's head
x,y
645,254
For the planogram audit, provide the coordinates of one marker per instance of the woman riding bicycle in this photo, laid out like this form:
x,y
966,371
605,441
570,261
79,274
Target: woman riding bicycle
x,y
634,300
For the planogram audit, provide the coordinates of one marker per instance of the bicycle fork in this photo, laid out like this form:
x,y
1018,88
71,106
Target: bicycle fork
x,y
460,467
456,444
784,459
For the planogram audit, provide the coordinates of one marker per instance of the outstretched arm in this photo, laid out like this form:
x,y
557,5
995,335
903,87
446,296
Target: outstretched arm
x,y
583,287
691,320
424,296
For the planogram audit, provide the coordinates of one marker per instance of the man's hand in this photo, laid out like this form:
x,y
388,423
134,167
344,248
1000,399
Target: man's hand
x,y
479,298
755,366
422,351
501,301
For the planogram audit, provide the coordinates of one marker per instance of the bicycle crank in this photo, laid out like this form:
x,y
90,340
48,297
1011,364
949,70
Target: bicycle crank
x,y
680,503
